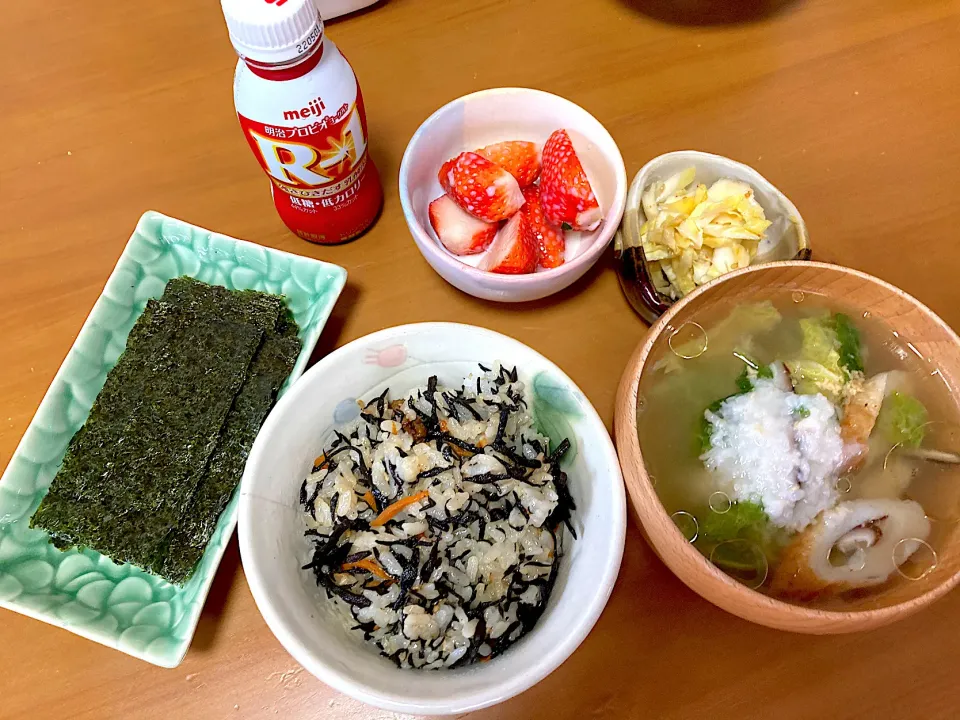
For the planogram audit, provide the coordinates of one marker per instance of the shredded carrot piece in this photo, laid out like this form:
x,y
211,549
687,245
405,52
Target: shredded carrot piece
x,y
368,499
368,564
443,425
391,510
482,442
460,452
320,460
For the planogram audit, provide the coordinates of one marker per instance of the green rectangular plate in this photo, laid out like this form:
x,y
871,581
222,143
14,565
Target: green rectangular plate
x,y
81,590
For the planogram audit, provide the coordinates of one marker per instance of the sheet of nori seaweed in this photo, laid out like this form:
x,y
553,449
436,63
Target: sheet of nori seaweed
x,y
67,487
179,552
132,468
65,483
269,370
264,311
174,552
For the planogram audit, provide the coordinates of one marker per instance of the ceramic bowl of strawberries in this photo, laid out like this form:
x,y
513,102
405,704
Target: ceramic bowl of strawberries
x,y
512,194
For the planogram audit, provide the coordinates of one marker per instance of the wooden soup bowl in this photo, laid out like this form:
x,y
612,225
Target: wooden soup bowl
x,y
912,320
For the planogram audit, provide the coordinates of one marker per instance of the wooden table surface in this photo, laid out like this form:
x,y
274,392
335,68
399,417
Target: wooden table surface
x,y
851,107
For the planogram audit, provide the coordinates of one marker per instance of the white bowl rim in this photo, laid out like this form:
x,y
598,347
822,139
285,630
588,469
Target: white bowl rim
x,y
587,256
340,681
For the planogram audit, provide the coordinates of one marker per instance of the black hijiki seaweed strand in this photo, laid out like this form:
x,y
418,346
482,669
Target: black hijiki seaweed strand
x,y
431,564
468,406
497,514
408,577
367,628
379,498
391,470
563,512
516,398
437,524
346,446
513,457
447,451
325,549
381,403
360,601
433,472
558,454
473,650
376,554
488,477
311,504
448,400
501,428
460,556
339,449
333,506
425,418
371,419
449,439
529,614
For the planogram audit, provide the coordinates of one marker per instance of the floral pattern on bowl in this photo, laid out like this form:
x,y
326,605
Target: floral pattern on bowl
x,y
87,593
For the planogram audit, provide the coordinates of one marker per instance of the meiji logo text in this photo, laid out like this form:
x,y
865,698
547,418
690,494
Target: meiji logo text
x,y
314,108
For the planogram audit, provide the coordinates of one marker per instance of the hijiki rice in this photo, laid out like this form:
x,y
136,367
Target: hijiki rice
x,y
437,520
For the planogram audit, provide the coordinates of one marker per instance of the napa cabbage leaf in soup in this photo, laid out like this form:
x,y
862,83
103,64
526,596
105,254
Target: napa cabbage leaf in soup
x,y
829,357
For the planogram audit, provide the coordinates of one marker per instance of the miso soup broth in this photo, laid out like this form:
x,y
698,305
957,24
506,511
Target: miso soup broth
x,y
803,447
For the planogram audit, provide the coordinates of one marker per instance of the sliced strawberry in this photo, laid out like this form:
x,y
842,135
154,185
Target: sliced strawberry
x,y
459,231
512,251
482,188
565,191
547,238
518,157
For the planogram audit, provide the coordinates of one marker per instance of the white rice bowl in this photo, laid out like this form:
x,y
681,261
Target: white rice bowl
x,y
274,549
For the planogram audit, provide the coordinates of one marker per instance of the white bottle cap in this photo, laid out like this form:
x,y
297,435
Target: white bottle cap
x,y
273,31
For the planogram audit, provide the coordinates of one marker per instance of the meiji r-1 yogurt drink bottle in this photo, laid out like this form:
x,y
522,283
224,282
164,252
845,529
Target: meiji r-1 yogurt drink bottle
x,y
301,111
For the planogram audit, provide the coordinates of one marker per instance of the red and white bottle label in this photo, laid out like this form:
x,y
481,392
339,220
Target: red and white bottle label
x,y
317,160
321,166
